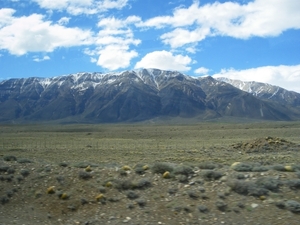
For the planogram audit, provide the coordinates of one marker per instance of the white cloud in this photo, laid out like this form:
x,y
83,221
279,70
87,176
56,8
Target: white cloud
x,y
37,59
113,43
164,60
202,71
77,7
32,33
63,21
284,76
115,57
260,18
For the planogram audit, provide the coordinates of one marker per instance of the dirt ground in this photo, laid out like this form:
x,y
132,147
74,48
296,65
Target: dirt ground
x,y
138,174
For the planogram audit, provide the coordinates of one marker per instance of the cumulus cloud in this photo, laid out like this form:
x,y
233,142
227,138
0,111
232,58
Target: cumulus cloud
x,y
32,33
63,21
113,41
284,76
165,60
201,71
37,59
77,7
261,18
114,57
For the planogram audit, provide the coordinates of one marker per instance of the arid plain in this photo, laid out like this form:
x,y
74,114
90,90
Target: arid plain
x,y
114,174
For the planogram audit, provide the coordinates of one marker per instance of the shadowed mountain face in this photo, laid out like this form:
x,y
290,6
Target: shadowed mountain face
x,y
132,96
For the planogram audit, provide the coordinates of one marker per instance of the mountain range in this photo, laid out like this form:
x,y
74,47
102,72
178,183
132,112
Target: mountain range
x,y
139,95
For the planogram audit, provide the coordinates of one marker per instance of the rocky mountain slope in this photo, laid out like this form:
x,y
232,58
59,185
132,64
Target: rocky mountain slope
x,y
266,91
132,96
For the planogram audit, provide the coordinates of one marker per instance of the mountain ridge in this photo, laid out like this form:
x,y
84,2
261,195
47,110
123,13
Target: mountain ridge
x,y
133,95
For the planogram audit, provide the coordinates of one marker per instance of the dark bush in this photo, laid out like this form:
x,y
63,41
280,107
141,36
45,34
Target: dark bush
x,y
260,169
11,170
184,170
246,188
142,183
293,206
60,179
202,208
212,175
280,204
10,158
123,184
141,202
278,168
132,195
240,176
24,172
139,170
4,200
85,165
208,165
193,194
172,190
269,183
182,178
243,167
9,193
63,164
4,168
102,189
84,175
24,161
162,167
294,184
221,205
19,178
123,173
202,189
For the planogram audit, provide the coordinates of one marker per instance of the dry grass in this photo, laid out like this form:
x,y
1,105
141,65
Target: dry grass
x,y
144,143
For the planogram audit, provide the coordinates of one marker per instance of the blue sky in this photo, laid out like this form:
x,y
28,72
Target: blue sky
x,y
240,39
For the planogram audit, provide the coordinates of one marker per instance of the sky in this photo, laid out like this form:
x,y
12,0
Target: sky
x,y
249,40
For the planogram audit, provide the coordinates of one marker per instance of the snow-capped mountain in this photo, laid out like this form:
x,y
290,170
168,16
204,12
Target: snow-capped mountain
x,y
131,96
266,91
